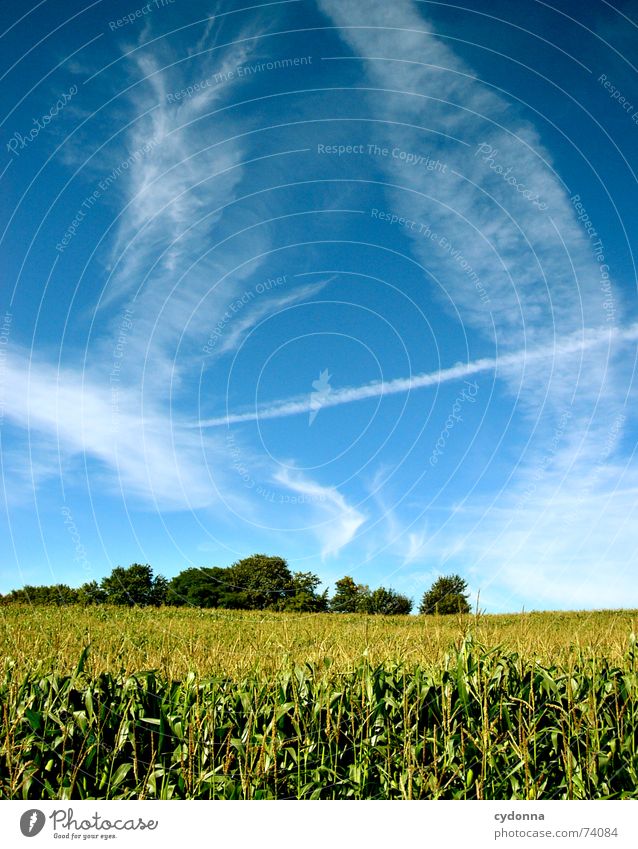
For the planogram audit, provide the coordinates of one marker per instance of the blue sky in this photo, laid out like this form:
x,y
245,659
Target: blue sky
x,y
350,283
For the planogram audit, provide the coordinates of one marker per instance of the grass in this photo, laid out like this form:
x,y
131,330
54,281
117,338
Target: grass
x,y
217,704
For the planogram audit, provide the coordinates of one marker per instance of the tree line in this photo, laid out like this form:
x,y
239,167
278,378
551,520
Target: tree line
x,y
258,582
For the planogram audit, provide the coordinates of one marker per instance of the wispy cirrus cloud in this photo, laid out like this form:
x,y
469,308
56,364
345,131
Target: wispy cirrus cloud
x,y
535,264
173,251
183,244
543,286
564,546
268,307
334,522
144,455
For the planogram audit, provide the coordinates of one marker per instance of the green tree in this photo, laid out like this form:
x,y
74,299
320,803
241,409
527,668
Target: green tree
x,y
135,585
350,597
257,583
91,593
159,590
62,594
446,595
195,587
305,597
389,602
56,594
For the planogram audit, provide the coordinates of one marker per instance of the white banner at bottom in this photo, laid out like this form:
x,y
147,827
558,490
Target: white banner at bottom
x,y
321,824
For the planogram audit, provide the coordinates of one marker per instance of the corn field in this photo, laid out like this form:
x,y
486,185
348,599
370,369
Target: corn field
x,y
476,721
176,641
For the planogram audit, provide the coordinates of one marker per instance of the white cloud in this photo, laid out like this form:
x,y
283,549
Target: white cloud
x,y
544,285
269,306
565,548
417,546
536,266
173,251
147,455
337,522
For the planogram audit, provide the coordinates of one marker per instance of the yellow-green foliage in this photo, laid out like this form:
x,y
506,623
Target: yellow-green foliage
x,y
176,641
245,705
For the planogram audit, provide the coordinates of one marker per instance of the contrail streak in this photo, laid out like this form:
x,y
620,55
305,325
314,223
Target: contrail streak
x,y
304,404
